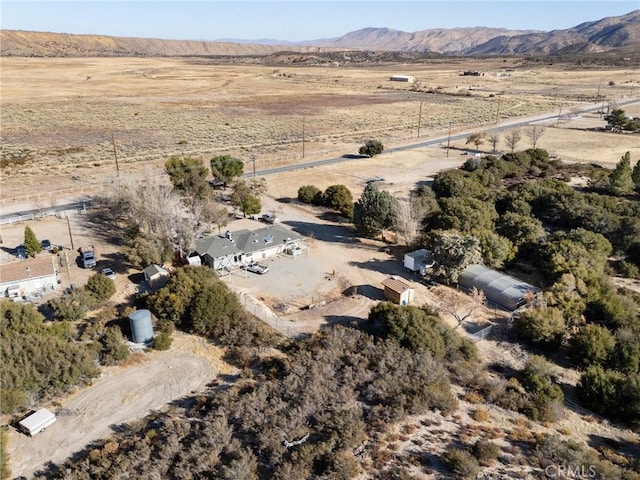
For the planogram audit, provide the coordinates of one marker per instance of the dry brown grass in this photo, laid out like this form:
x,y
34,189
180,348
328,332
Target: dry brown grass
x,y
59,113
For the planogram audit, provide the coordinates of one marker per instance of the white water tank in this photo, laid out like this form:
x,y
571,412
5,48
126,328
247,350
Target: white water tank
x,y
141,326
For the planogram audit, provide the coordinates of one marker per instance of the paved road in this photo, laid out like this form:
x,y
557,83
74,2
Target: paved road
x,y
432,141
75,205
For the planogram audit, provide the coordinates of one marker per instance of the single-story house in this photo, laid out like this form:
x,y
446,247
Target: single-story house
x,y
398,291
402,78
24,278
245,246
155,276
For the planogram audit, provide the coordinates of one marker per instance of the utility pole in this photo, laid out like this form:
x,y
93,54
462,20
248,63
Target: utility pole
x,y
598,94
498,111
419,119
559,114
115,154
253,159
449,140
70,235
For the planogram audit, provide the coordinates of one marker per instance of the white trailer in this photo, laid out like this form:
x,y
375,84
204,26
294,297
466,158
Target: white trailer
x,y
37,422
418,261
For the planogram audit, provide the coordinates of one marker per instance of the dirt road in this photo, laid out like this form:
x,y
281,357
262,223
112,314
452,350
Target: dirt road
x,y
121,396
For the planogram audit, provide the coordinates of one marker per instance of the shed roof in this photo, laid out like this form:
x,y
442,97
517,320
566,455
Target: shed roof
x,y
27,269
153,270
499,288
396,285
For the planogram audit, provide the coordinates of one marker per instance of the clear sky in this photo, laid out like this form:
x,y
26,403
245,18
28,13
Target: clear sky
x,y
293,20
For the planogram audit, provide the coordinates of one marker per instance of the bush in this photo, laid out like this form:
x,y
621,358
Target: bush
x,y
461,463
592,344
485,452
114,347
308,193
371,148
101,287
162,341
543,326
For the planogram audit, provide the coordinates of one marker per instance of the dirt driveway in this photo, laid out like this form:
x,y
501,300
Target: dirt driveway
x,y
122,395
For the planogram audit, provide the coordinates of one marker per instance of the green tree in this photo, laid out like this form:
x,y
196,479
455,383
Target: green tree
x,y
162,341
225,168
620,180
371,148
617,119
453,253
373,211
32,245
543,326
251,205
244,199
188,175
635,174
145,250
592,344
101,287
308,193
458,183
625,356
465,214
339,197
496,250
520,229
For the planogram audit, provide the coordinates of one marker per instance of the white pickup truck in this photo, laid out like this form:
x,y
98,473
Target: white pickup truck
x,y
268,218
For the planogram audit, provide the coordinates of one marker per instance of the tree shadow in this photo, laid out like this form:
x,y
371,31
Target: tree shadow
x,y
624,447
323,232
103,225
344,320
368,291
388,267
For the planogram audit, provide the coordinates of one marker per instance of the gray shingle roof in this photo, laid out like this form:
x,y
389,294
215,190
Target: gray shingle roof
x,y
245,241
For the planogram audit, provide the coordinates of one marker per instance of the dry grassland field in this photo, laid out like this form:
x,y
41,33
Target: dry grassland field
x,y
59,114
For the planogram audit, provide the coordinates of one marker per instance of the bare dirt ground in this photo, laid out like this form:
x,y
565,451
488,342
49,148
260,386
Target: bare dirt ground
x,y
121,395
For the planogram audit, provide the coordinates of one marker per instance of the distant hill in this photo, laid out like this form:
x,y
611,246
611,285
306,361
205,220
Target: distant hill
x,y
20,43
612,34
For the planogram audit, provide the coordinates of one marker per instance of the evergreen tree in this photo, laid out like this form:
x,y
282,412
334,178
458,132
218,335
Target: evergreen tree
x,y
617,119
32,245
635,174
373,211
620,180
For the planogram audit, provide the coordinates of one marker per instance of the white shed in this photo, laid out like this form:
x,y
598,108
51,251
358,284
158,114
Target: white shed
x,y
37,422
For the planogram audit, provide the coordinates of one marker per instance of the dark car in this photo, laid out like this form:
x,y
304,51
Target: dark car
x,y
20,251
46,245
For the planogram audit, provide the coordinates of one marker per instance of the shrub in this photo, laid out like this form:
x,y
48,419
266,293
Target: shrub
x,y
485,452
481,415
101,287
593,344
371,148
308,193
162,341
461,463
543,326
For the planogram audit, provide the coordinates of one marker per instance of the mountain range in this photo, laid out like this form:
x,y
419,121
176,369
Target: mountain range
x,y
619,34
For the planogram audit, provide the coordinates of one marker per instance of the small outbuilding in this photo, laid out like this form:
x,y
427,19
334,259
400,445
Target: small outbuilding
x,y
156,276
499,288
398,291
419,261
402,78
141,325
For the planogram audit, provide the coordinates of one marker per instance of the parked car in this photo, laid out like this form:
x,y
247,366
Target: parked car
x,y
255,267
268,218
46,246
88,257
107,272
20,251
